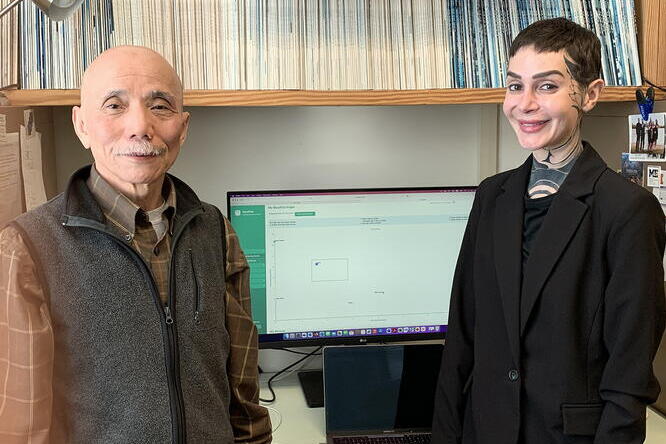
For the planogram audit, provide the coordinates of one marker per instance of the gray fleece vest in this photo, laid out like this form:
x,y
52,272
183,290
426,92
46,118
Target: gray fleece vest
x,y
129,369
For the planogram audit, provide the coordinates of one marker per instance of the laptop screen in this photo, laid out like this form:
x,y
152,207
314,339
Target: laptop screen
x,y
380,388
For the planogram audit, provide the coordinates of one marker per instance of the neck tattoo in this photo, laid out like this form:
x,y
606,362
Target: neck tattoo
x,y
547,178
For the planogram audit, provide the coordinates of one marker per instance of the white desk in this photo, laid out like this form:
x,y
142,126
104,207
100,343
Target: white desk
x,y
303,425
656,428
300,424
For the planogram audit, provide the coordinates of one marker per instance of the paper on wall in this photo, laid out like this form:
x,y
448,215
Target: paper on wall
x,y
660,194
31,165
29,121
653,176
647,139
11,204
3,128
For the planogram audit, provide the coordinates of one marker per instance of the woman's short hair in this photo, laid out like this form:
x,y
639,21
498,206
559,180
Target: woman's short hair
x,y
581,45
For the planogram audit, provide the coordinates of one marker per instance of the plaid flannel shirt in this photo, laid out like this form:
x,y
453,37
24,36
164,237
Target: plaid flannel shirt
x,y
26,334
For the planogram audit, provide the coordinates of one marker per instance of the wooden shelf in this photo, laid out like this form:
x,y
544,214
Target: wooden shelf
x,y
68,97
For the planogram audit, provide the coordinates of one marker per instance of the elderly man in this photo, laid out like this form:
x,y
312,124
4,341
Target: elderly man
x,y
124,304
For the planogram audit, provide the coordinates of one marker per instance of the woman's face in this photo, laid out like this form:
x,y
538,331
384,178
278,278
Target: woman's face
x,y
543,102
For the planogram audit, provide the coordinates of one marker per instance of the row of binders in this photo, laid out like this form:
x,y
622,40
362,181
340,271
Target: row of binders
x,y
9,47
309,44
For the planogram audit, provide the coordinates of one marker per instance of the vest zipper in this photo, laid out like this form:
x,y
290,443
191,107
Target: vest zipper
x,y
178,433
176,400
197,298
181,436
171,356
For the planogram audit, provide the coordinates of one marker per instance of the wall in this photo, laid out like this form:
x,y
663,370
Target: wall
x,y
44,124
315,147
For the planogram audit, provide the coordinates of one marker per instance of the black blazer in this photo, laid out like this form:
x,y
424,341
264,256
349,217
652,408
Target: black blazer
x,y
560,352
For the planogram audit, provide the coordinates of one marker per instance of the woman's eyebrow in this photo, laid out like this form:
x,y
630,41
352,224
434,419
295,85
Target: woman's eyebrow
x,y
537,75
547,73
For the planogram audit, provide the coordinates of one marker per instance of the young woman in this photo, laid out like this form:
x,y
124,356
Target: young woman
x,y
557,307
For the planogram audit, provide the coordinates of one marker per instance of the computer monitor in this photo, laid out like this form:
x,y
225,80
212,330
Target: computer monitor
x,y
350,265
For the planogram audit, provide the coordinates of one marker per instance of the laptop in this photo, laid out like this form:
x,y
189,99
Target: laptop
x,y
376,394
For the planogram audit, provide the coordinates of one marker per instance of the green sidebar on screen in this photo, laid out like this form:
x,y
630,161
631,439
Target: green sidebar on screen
x,y
249,221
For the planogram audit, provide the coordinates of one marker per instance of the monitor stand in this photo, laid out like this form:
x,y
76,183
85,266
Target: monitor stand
x,y
312,383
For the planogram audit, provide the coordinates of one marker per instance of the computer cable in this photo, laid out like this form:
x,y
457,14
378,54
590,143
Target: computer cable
x,y
661,88
298,352
279,415
295,368
272,378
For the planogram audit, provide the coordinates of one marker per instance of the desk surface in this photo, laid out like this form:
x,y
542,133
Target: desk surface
x,y
300,424
303,425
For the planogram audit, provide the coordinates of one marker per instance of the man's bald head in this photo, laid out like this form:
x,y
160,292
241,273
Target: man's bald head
x,y
129,60
132,119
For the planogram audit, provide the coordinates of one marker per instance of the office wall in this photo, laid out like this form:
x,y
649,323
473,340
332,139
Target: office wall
x,y
44,124
314,147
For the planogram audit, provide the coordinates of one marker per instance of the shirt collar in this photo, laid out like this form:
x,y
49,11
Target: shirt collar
x,y
120,209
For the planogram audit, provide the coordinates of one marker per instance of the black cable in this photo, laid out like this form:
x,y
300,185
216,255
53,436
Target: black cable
x,y
661,88
297,352
270,380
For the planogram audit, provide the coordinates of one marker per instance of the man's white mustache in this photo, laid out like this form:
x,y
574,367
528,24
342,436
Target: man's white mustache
x,y
142,149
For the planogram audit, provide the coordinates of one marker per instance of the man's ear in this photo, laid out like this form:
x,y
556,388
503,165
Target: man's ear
x,y
186,125
592,94
80,126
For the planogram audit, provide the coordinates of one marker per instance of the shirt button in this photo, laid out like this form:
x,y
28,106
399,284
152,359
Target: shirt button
x,y
513,375
156,251
128,237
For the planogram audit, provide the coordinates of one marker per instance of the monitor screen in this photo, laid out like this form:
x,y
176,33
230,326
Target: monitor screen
x,y
350,266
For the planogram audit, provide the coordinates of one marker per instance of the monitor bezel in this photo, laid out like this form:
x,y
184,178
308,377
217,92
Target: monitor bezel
x,y
347,340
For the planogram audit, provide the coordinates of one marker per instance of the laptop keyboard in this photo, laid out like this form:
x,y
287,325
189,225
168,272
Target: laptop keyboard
x,y
421,438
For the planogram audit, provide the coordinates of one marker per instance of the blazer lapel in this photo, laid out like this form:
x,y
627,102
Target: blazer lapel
x,y
558,227
564,216
507,241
